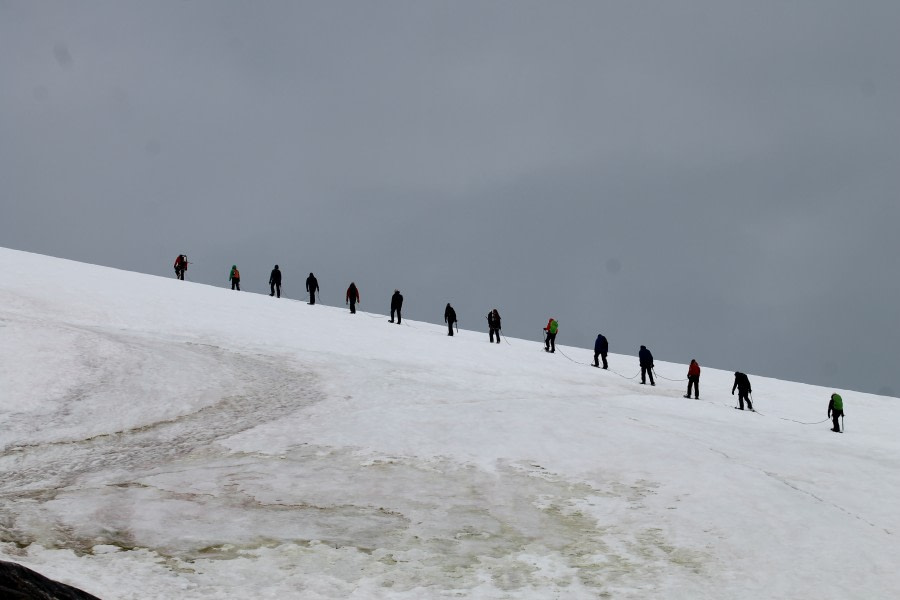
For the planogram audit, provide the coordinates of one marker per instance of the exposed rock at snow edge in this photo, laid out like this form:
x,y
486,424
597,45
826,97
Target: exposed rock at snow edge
x,y
20,583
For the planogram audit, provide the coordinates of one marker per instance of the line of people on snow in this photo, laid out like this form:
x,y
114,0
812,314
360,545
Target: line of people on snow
x,y
601,344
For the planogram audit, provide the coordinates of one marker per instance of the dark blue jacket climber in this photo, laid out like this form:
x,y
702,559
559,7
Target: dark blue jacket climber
x,y
645,357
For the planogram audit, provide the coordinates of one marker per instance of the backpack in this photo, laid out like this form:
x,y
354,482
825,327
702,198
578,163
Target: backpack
x,y
235,274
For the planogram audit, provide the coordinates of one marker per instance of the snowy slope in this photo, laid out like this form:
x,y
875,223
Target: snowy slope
x,y
163,439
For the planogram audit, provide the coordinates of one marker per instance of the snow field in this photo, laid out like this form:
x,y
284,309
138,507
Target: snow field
x,y
165,439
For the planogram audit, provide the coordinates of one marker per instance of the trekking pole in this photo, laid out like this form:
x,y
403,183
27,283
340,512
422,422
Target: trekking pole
x,y
457,326
843,427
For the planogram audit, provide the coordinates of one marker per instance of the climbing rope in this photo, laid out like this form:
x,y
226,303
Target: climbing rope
x,y
787,419
570,358
801,422
666,378
371,316
622,376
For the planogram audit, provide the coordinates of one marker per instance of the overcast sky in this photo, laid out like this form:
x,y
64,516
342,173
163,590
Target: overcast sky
x,y
715,180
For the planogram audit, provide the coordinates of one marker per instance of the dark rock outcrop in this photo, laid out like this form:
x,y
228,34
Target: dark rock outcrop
x,y
20,583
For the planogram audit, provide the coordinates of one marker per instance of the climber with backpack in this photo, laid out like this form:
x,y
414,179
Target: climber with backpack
x,y
181,264
645,358
835,410
693,377
601,349
493,320
275,281
352,297
550,341
396,306
312,286
449,317
235,277
742,385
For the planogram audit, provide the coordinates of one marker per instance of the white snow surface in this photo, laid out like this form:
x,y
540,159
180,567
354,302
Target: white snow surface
x,y
164,439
